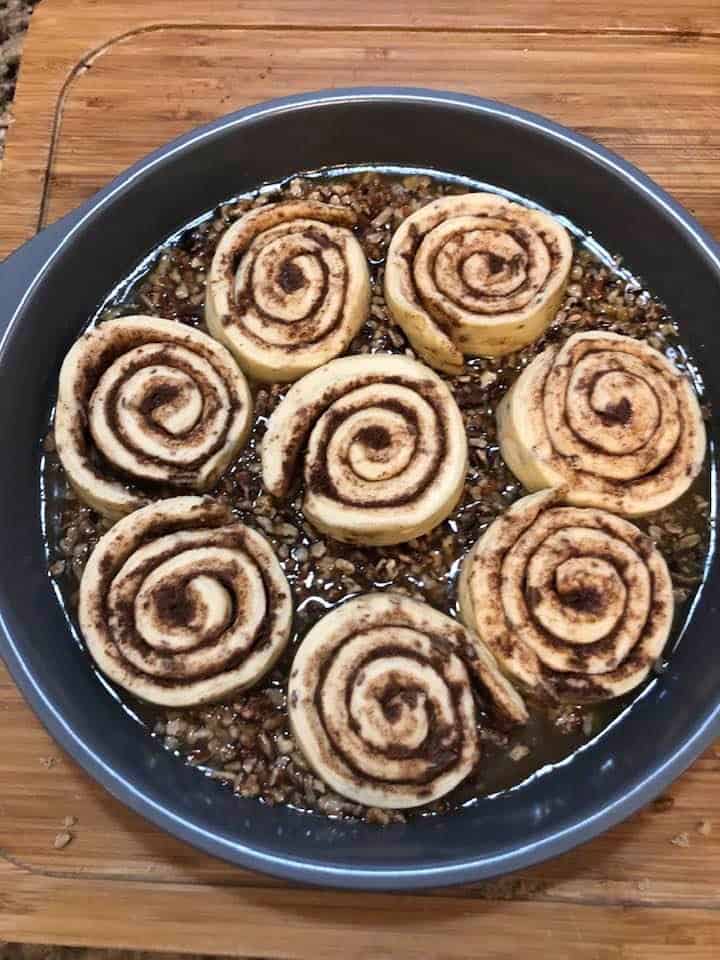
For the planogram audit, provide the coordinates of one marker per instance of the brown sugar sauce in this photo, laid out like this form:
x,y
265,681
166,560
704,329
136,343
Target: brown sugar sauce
x,y
245,742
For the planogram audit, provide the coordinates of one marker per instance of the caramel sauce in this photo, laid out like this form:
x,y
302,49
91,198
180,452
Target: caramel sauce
x,y
602,294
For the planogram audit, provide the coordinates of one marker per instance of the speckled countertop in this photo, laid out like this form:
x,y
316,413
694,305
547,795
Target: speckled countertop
x,y
30,951
14,19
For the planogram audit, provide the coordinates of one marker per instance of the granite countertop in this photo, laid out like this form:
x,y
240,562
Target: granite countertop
x,y
14,19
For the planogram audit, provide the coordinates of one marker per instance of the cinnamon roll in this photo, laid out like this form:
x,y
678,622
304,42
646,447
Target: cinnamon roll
x,y
610,418
288,288
386,449
146,401
575,603
475,274
180,604
382,700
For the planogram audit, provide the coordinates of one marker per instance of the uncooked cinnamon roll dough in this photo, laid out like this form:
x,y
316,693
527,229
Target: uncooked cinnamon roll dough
x,y
381,700
608,417
288,288
378,437
180,604
475,274
144,402
576,604
385,448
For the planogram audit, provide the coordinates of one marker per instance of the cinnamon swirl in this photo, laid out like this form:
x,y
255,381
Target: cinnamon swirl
x,y
151,402
180,604
386,449
475,274
575,603
288,288
382,700
610,418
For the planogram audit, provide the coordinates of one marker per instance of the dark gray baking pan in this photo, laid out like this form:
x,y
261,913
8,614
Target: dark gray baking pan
x,y
50,288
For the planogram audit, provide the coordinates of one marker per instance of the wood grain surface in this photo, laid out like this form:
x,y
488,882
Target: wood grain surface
x,y
101,84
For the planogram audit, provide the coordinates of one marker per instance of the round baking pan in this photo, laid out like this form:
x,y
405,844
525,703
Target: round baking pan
x,y
52,285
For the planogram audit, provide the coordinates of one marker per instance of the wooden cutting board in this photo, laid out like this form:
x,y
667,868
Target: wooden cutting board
x,y
103,82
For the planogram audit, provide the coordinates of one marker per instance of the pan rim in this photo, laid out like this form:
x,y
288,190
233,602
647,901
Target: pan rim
x,y
637,792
